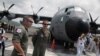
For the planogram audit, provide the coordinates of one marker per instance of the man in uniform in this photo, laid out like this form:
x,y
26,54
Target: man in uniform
x,y
40,40
20,37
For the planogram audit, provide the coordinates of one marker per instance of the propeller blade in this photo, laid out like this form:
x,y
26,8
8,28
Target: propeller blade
x,y
4,6
91,17
11,6
32,9
96,19
39,10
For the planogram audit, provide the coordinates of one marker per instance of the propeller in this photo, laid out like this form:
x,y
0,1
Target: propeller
x,y
39,10
91,17
4,6
93,25
35,16
11,6
32,9
6,12
96,19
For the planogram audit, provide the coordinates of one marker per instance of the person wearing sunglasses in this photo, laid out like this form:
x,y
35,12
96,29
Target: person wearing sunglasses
x,y
40,40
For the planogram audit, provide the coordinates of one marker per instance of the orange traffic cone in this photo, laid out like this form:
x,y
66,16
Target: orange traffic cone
x,y
53,44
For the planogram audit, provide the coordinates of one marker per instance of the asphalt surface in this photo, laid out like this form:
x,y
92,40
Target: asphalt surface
x,y
49,51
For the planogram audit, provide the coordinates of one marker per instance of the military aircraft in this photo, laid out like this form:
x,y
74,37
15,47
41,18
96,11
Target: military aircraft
x,y
67,24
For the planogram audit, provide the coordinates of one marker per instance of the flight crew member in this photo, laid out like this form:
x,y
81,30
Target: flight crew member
x,y
20,37
40,40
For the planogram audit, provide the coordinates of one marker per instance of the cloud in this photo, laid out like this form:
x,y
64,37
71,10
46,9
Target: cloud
x,y
51,6
91,6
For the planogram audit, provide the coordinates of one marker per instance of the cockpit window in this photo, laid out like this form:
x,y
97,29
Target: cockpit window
x,y
75,9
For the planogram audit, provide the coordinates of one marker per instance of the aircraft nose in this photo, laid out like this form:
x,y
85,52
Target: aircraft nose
x,y
74,28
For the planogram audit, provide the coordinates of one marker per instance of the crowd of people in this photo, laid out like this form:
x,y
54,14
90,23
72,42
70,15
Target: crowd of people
x,y
88,43
41,37
7,27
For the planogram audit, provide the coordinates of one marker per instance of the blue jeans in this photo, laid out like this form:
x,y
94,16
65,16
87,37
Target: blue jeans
x,y
2,45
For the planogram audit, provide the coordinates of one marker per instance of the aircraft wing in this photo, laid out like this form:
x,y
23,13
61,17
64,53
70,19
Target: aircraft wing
x,y
21,15
36,17
16,15
11,16
41,17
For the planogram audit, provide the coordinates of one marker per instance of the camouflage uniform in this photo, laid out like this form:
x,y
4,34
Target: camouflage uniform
x,y
40,41
20,35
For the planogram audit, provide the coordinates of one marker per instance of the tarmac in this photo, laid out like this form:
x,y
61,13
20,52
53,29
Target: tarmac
x,y
49,51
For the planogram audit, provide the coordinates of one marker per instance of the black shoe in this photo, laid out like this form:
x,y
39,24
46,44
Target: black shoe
x,y
84,52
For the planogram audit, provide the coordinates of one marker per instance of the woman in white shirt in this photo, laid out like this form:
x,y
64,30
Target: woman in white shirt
x,y
80,45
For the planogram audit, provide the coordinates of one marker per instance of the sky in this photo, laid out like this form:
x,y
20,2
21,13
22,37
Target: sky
x,y
50,6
